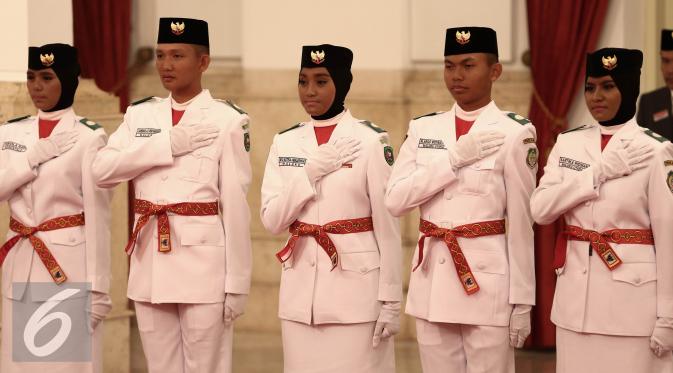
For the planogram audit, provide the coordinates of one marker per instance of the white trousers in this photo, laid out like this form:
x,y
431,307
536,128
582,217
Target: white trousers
x,y
335,348
185,338
460,348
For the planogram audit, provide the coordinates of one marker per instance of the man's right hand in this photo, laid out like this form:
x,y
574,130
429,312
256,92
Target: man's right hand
x,y
51,147
474,146
185,138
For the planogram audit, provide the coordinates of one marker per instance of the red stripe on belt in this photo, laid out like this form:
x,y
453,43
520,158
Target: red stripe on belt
x,y
449,236
600,243
148,209
40,248
299,229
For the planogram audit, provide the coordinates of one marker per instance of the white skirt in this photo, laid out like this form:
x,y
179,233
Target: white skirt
x,y
335,348
598,353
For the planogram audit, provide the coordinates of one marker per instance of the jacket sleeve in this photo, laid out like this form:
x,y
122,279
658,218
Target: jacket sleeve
x,y
386,226
124,158
558,193
234,179
97,216
282,199
412,184
660,205
13,174
520,176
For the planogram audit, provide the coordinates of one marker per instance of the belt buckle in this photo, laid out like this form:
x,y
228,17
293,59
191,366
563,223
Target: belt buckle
x,y
469,282
164,242
611,259
58,275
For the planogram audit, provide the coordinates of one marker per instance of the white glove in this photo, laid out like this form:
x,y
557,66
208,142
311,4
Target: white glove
x,y
622,161
661,341
388,323
101,304
51,147
519,325
330,156
186,139
475,146
234,306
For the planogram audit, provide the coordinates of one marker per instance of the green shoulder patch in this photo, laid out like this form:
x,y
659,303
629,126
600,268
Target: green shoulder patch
x,y
290,129
232,105
134,103
582,127
388,155
18,119
373,126
89,123
428,115
518,118
655,135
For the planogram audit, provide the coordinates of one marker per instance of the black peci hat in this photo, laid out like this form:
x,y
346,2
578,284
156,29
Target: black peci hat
x,y
56,56
614,61
326,55
469,39
666,40
183,30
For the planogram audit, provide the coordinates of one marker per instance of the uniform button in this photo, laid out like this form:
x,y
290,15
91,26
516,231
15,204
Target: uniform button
x,y
636,280
584,270
448,196
312,264
72,239
481,266
477,165
363,269
203,240
30,211
442,260
587,203
164,178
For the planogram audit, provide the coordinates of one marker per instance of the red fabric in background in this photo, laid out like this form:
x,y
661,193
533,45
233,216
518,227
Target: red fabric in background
x,y
561,33
102,30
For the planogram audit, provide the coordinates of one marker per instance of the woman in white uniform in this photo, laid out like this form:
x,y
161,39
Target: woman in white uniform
x,y
325,181
59,234
612,183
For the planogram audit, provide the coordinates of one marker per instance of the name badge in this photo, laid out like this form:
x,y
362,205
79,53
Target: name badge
x,y
147,132
291,162
431,144
572,164
11,145
659,115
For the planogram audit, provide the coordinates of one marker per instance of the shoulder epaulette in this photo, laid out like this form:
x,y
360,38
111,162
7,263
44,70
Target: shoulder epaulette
x,y
518,118
232,105
89,123
582,127
373,126
428,115
290,129
655,135
134,103
18,119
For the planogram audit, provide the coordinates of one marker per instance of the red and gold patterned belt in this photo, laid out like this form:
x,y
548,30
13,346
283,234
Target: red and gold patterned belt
x,y
449,236
299,229
600,243
40,248
147,209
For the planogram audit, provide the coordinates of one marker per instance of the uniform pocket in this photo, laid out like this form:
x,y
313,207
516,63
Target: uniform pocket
x,y
635,274
362,262
199,166
474,178
66,237
202,235
486,261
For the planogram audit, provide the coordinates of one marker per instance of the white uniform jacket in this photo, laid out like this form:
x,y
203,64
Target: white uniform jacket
x,y
369,268
493,188
589,298
211,255
61,186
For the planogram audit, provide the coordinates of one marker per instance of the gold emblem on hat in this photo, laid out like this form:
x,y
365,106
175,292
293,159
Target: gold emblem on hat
x,y
177,28
462,37
609,63
318,57
47,59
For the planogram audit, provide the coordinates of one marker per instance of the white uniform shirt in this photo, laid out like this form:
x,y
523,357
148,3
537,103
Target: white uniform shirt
x,y
496,187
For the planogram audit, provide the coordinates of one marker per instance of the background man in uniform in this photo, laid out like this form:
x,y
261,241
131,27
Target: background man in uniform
x,y
472,286
655,109
187,156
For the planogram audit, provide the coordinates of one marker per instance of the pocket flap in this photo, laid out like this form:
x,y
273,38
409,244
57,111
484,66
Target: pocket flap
x,y
72,236
484,164
362,262
635,273
487,262
202,235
